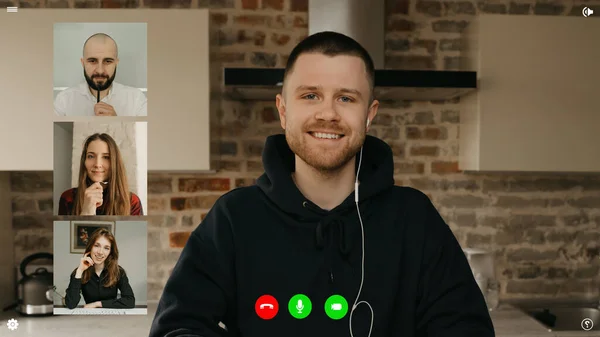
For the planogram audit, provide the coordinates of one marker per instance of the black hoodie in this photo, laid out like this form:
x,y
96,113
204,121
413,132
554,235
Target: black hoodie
x,y
269,239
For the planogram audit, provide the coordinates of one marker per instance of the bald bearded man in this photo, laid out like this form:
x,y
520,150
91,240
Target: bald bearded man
x,y
100,95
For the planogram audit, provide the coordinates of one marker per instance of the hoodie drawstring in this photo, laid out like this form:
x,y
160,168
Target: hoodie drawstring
x,y
327,228
323,239
324,235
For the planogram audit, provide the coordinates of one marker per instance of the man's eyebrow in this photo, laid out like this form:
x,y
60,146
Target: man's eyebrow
x,y
318,87
308,88
95,58
351,91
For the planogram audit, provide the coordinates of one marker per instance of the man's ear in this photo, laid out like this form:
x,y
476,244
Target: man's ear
x,y
372,112
280,103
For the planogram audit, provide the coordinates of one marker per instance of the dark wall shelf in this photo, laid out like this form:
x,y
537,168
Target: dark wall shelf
x,y
412,85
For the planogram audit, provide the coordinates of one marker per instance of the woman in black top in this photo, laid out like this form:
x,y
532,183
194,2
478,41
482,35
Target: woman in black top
x,y
99,276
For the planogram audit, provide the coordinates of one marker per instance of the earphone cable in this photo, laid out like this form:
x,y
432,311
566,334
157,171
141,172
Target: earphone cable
x,y
362,272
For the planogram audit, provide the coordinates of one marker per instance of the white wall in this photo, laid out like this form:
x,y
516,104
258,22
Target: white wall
x,y
63,143
131,39
141,142
133,149
132,241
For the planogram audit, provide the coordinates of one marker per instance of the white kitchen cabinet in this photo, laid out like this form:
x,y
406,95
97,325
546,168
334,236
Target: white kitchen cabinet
x,y
178,86
536,108
26,92
178,91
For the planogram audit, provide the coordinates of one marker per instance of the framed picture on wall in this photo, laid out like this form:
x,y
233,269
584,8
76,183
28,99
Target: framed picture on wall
x,y
81,232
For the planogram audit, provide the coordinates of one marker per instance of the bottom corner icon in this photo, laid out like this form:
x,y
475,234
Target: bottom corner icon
x,y
587,324
12,324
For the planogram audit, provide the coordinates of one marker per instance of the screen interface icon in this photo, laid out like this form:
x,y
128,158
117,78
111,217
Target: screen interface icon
x,y
266,307
336,307
300,306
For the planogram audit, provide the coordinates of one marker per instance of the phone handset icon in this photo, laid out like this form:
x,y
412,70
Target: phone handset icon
x,y
266,307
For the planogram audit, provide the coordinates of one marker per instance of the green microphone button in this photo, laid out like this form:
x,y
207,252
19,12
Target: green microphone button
x,y
300,306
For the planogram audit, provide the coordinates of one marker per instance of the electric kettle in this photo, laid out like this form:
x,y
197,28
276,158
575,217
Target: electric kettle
x,y
35,290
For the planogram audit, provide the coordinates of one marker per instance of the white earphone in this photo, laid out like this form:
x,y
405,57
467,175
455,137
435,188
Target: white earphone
x,y
368,122
357,301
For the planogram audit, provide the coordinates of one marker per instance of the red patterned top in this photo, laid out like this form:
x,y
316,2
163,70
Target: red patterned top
x,y
67,204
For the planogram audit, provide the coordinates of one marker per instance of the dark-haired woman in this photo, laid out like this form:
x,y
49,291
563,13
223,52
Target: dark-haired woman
x,y
102,185
99,276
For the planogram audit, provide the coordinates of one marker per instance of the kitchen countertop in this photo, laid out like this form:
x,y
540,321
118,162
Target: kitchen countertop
x,y
508,321
512,322
100,311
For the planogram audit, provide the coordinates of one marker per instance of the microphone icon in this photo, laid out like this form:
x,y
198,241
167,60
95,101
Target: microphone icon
x,y
299,306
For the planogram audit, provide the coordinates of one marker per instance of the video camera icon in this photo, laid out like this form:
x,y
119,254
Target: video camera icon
x,y
336,307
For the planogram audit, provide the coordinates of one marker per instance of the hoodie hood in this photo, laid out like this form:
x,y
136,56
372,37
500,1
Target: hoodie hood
x,y
375,176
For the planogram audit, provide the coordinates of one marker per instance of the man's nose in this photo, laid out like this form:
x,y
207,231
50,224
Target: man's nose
x,y
327,110
100,68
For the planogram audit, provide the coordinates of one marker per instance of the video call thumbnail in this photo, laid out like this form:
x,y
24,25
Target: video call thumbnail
x,y
113,57
100,267
100,168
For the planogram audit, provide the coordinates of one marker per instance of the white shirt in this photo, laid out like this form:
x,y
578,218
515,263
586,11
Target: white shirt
x,y
78,101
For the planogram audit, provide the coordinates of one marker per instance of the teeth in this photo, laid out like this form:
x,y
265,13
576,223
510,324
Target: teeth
x,y
326,135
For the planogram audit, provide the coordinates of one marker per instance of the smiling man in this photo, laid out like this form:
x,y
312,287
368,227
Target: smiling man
x,y
100,95
324,244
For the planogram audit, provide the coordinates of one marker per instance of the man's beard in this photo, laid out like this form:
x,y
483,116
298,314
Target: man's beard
x,y
100,87
325,161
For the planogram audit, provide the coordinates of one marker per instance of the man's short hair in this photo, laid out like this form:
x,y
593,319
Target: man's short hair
x,y
332,44
104,36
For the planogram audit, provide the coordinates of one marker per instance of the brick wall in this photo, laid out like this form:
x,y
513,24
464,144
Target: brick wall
x,y
32,204
545,229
